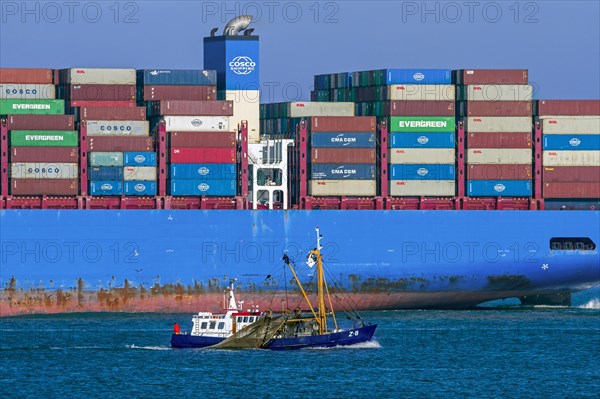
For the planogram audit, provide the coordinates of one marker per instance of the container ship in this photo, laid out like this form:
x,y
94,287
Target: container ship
x,y
148,190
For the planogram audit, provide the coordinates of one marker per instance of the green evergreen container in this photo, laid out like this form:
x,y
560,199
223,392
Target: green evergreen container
x,y
37,107
425,124
43,138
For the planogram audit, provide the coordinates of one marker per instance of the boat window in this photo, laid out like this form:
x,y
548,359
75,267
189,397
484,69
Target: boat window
x,y
572,243
251,319
245,319
203,325
221,325
239,319
213,325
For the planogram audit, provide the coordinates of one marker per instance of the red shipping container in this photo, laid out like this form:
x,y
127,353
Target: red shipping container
x,y
492,76
499,140
499,172
26,75
98,92
40,122
343,124
557,174
343,155
193,93
120,143
44,154
44,187
203,140
571,190
495,108
191,108
74,104
203,155
567,107
420,108
112,113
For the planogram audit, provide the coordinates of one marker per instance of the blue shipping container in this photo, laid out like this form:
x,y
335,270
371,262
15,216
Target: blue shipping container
x,y
218,188
342,140
422,140
140,188
342,172
499,188
106,187
204,171
419,76
139,159
579,142
422,172
103,173
176,77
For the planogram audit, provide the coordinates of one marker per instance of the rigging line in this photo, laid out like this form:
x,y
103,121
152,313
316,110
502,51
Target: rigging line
x,y
345,296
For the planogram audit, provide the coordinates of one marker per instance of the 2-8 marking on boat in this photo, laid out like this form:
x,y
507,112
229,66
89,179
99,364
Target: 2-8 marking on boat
x,y
353,333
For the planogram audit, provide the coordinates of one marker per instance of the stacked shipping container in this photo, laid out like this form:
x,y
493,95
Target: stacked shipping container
x,y
571,148
43,151
342,156
496,107
282,118
202,147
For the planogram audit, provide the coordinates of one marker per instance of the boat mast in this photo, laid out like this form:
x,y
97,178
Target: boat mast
x,y
320,283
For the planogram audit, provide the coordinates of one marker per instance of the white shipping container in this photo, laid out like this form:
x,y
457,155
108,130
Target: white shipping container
x,y
571,125
198,123
118,128
100,76
144,173
435,188
497,93
47,170
571,158
307,109
499,156
18,91
351,188
422,92
422,155
246,107
498,124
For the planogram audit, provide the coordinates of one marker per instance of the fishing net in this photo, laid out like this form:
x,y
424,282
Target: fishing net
x,y
255,335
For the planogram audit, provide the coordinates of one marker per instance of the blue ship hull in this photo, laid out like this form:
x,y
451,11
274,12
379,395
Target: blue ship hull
x,y
342,338
164,261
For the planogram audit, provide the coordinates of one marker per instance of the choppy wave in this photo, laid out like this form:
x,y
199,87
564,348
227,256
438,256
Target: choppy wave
x,y
149,348
592,304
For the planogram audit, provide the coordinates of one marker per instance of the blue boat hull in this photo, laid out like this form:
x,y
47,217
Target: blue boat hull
x,y
343,338
179,261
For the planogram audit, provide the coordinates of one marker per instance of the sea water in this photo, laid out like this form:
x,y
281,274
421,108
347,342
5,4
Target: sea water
x,y
501,352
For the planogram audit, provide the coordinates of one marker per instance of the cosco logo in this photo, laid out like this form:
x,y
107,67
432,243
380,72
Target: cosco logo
x,y
422,172
139,188
116,128
203,187
418,76
139,158
21,91
499,187
423,140
106,186
203,171
43,170
196,122
242,65
574,142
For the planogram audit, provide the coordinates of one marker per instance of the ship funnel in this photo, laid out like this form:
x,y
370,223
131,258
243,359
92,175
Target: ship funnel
x,y
237,25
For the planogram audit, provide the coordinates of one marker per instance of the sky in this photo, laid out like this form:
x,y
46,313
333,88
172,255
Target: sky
x,y
558,41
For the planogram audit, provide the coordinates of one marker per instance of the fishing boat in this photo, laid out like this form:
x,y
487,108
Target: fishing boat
x,y
238,329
